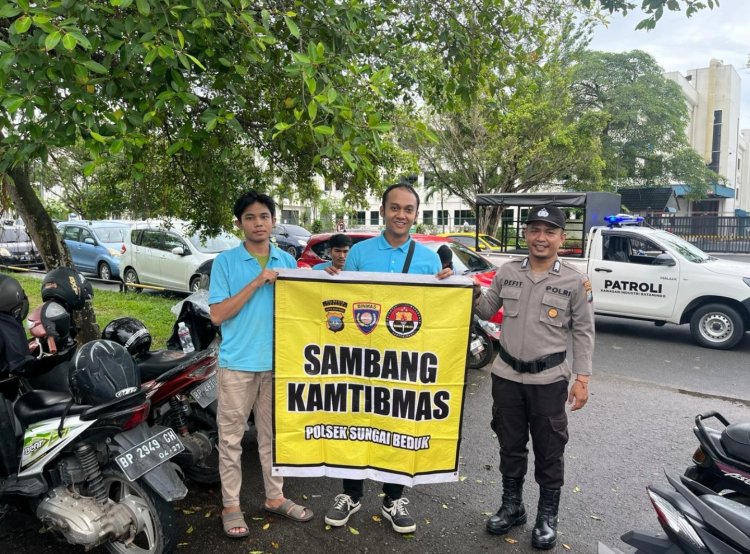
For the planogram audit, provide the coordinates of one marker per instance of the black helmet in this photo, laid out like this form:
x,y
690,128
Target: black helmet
x,y
65,286
88,289
13,300
130,333
103,370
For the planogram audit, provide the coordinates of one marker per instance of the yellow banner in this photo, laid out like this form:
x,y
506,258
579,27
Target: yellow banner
x,y
369,373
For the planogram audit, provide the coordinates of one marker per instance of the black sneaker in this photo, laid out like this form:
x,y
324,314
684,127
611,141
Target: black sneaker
x,y
343,507
395,511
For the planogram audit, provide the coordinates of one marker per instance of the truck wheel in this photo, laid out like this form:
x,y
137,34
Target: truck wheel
x,y
717,326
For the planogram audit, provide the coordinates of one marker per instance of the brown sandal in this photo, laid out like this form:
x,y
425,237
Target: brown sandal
x,y
291,510
234,520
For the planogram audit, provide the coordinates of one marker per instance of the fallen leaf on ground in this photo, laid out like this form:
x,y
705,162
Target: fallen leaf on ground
x,y
408,536
328,527
486,513
445,507
304,497
353,531
566,546
266,526
377,518
258,518
188,512
463,478
208,514
577,489
511,541
190,530
597,518
275,544
183,543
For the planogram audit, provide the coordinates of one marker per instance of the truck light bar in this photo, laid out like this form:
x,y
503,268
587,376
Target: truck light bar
x,y
623,219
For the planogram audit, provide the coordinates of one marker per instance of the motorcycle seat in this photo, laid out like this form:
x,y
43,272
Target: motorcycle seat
x,y
735,513
736,441
39,405
154,364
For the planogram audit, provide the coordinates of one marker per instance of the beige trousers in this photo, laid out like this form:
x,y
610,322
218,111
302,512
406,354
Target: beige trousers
x,y
239,393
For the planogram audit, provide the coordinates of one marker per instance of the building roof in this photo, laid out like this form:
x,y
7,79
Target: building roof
x,y
645,199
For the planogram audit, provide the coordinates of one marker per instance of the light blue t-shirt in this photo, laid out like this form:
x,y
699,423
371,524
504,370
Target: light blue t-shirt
x,y
247,338
376,254
322,265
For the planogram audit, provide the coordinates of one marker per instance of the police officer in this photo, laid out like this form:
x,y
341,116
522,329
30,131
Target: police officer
x,y
546,301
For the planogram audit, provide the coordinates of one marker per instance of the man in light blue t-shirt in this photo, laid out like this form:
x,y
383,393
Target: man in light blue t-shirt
x,y
387,253
241,299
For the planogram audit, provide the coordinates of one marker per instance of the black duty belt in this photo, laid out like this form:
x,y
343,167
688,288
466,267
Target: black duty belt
x,y
534,366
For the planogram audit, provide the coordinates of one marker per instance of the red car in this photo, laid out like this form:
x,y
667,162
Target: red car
x,y
465,262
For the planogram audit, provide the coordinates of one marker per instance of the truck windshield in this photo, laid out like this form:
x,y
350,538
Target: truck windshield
x,y
688,251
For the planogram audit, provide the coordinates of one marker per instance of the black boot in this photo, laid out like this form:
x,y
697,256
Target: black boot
x,y
544,535
512,511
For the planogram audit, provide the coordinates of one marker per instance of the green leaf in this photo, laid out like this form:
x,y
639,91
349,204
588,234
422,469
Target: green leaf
x,y
293,28
151,56
69,41
311,84
117,146
382,127
82,40
12,103
96,67
8,11
22,24
181,38
52,40
323,130
196,61
88,169
281,126
97,137
312,109
184,61
165,52
143,7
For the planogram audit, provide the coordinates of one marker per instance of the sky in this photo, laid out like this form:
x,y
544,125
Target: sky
x,y
679,43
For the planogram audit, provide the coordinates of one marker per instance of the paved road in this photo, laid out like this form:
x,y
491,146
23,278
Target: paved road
x,y
650,383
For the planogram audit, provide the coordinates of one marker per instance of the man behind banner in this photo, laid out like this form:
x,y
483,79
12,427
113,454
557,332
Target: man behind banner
x,y
241,299
394,251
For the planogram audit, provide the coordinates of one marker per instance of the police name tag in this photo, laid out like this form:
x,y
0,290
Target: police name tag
x,y
149,454
205,393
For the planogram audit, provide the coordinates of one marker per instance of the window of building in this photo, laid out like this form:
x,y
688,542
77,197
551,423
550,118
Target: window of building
x,y
427,217
359,218
461,217
374,217
443,216
716,142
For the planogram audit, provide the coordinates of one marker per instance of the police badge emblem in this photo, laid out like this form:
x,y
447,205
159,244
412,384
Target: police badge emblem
x,y
403,320
335,310
366,316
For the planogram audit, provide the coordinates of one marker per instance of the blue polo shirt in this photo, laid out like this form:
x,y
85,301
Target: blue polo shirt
x,y
322,265
376,254
247,338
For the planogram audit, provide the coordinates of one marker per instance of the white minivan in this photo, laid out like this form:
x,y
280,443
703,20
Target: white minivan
x,y
167,256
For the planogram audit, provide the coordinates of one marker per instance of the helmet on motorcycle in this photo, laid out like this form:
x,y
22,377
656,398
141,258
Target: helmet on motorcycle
x,y
130,333
103,370
88,289
13,300
66,286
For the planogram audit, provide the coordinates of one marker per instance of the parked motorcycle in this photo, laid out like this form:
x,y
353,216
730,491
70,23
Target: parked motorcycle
x,y
483,341
695,520
86,464
722,459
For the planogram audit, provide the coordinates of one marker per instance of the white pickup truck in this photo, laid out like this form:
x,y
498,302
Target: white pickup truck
x,y
653,275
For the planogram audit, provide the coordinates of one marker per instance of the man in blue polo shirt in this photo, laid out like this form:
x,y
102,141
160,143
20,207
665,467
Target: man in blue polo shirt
x,y
393,251
241,299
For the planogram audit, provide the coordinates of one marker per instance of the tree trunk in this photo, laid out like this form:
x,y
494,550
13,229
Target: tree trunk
x,y
490,218
44,234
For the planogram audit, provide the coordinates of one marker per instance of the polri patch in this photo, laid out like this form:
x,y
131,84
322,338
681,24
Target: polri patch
x,y
335,310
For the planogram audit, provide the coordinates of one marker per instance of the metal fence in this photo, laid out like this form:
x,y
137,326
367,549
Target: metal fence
x,y
710,233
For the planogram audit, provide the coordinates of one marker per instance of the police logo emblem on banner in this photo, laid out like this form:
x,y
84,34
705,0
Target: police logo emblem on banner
x,y
335,310
366,316
403,320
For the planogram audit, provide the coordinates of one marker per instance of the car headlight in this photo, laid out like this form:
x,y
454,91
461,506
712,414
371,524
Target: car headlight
x,y
113,252
5,252
302,242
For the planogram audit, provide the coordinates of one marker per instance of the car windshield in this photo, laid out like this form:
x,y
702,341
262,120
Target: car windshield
x,y
15,234
688,251
295,230
492,241
464,260
112,234
210,245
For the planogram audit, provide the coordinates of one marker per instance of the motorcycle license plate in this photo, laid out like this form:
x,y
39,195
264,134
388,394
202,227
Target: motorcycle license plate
x,y
152,452
205,393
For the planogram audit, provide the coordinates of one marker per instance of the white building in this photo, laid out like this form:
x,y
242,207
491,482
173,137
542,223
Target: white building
x,y
713,96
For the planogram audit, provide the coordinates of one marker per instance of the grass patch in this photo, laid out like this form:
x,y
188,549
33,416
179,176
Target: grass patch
x,y
152,309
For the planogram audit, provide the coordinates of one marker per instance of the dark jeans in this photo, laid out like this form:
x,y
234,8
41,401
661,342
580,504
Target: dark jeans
x,y
356,489
518,409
